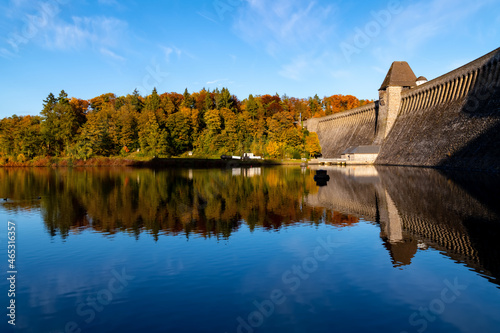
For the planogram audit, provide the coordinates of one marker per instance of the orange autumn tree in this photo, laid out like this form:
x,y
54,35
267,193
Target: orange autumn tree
x,y
339,103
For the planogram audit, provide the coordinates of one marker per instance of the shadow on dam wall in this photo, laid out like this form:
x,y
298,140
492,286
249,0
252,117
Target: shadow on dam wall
x,y
418,208
482,108
452,122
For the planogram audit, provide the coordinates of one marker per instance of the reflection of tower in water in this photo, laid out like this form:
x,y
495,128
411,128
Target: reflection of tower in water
x,y
417,209
401,246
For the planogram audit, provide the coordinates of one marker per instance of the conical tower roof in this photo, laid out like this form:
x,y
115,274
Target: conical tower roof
x,y
400,74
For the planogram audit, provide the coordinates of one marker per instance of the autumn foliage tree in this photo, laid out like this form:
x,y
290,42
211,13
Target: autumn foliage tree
x,y
208,123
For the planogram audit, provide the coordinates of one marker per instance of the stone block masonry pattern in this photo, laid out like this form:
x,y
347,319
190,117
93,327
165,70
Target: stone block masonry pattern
x,y
355,127
452,121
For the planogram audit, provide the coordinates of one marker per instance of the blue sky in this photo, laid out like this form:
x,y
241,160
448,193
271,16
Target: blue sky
x,y
293,47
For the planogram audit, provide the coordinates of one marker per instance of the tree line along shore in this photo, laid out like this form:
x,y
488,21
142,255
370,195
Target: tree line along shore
x,y
137,130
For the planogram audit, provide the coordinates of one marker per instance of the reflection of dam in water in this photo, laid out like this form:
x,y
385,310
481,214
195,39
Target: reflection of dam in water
x,y
417,209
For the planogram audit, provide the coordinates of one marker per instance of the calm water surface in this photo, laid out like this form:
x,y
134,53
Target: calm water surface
x,y
252,250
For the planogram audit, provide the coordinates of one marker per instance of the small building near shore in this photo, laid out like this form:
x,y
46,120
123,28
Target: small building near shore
x,y
361,154
251,156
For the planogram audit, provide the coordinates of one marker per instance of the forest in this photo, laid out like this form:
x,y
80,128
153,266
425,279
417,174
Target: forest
x,y
202,124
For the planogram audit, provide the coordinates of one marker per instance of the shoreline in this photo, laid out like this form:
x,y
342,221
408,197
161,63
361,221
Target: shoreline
x,y
56,162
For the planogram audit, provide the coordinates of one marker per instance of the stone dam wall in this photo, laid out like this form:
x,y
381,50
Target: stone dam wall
x,y
452,121
340,131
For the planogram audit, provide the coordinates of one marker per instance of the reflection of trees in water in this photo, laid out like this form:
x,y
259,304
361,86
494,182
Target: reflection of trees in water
x,y
210,203
457,214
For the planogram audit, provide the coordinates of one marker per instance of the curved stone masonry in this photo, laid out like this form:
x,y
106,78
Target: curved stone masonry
x,y
350,128
452,121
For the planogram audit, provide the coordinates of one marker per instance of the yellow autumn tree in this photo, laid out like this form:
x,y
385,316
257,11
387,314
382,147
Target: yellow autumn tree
x,y
274,148
312,145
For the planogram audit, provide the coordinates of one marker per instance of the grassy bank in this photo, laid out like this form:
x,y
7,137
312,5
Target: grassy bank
x,y
145,162
68,162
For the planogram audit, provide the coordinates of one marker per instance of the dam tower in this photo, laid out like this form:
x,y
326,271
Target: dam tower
x,y
399,79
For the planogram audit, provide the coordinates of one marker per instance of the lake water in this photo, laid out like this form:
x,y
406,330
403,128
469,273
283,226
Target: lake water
x,y
251,250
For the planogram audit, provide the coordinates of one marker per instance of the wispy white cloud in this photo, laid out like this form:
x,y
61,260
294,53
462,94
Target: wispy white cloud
x,y
219,81
295,69
422,21
112,55
83,32
307,65
23,22
282,25
5,53
406,32
296,32
15,6
208,16
168,51
18,3
104,35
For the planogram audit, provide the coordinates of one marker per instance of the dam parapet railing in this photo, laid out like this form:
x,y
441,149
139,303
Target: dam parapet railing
x,y
344,116
481,73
